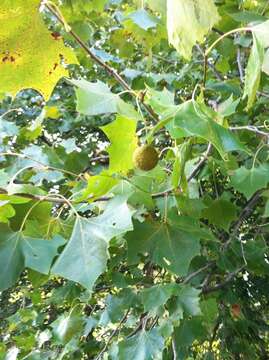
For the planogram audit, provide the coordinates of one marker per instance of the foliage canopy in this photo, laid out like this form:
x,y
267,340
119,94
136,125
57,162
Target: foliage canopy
x,y
98,258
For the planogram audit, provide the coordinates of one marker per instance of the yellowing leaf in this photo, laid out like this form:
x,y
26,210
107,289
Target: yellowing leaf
x,y
122,135
31,57
52,112
188,21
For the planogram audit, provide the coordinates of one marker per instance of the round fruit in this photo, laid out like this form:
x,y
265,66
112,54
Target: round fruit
x,y
145,157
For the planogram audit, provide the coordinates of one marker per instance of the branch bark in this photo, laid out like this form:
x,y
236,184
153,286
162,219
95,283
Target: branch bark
x,y
250,205
230,277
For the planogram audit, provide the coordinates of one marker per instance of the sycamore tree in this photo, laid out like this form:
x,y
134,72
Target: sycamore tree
x,y
134,173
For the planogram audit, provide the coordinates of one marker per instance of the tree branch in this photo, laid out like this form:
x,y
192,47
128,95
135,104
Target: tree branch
x,y
227,280
48,198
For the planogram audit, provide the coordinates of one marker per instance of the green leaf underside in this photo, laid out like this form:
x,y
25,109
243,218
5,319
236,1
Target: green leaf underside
x,y
188,21
94,98
67,327
143,346
18,252
253,71
85,256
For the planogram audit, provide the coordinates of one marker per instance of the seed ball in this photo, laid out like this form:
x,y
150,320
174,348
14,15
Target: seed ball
x,y
145,157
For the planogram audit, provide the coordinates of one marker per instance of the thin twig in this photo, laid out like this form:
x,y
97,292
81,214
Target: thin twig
x,y
45,166
201,163
139,326
52,199
214,334
174,349
112,335
197,272
211,66
227,280
252,128
239,65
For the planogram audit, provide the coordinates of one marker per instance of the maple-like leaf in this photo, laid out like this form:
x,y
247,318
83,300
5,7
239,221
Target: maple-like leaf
x,y
31,56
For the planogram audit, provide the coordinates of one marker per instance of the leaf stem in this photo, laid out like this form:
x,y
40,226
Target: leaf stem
x,y
211,47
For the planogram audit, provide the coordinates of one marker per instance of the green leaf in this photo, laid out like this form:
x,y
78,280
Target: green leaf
x,y
146,345
246,16
265,65
94,98
116,306
68,326
266,210
182,154
22,30
33,131
209,308
228,107
23,189
248,181
122,136
85,256
157,5
188,21
221,213
69,145
198,120
6,211
253,71
157,295
261,33
188,301
160,100
98,185
167,245
143,19
188,331
18,251
7,129
13,199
